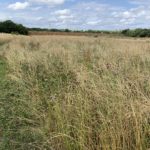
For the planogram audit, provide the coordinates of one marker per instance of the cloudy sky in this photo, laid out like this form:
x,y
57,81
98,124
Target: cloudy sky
x,y
78,14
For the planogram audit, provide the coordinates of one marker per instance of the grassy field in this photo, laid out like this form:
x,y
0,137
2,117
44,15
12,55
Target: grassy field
x,y
74,93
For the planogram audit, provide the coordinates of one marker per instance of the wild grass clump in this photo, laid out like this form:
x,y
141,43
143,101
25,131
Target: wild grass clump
x,y
77,93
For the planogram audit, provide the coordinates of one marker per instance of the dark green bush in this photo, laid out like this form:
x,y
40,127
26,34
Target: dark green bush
x,y
10,27
136,32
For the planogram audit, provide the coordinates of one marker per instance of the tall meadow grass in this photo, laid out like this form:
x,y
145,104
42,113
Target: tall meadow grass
x,y
77,93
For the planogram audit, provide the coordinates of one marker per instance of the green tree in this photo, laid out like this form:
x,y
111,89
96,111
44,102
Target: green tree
x,y
9,26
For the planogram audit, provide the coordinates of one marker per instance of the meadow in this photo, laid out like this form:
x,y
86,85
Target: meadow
x,y
74,93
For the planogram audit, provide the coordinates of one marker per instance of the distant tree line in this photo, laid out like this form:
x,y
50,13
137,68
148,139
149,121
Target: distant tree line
x,y
127,32
68,30
136,32
11,27
51,30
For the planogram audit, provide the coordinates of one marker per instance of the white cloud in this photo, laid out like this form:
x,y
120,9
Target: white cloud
x,y
62,12
64,17
39,18
83,14
36,8
136,17
18,6
93,23
127,21
49,2
126,14
140,2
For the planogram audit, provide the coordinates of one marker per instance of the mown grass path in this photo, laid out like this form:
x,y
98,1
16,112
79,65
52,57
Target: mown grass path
x,y
2,89
8,92
2,69
2,78
13,106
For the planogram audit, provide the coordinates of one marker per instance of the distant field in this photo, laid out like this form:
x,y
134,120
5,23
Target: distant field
x,y
74,93
72,33
63,33
58,33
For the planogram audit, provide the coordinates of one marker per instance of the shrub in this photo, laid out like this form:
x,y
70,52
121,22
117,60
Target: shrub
x,y
136,32
11,27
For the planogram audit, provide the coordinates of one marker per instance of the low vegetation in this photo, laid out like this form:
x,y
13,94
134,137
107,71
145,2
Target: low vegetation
x,y
11,27
74,93
137,32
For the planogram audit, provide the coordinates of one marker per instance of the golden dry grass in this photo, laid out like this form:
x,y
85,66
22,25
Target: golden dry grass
x,y
78,93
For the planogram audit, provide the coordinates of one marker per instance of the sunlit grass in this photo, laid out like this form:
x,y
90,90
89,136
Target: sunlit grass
x,y
72,93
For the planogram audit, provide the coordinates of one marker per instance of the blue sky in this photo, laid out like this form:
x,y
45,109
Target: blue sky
x,y
78,14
